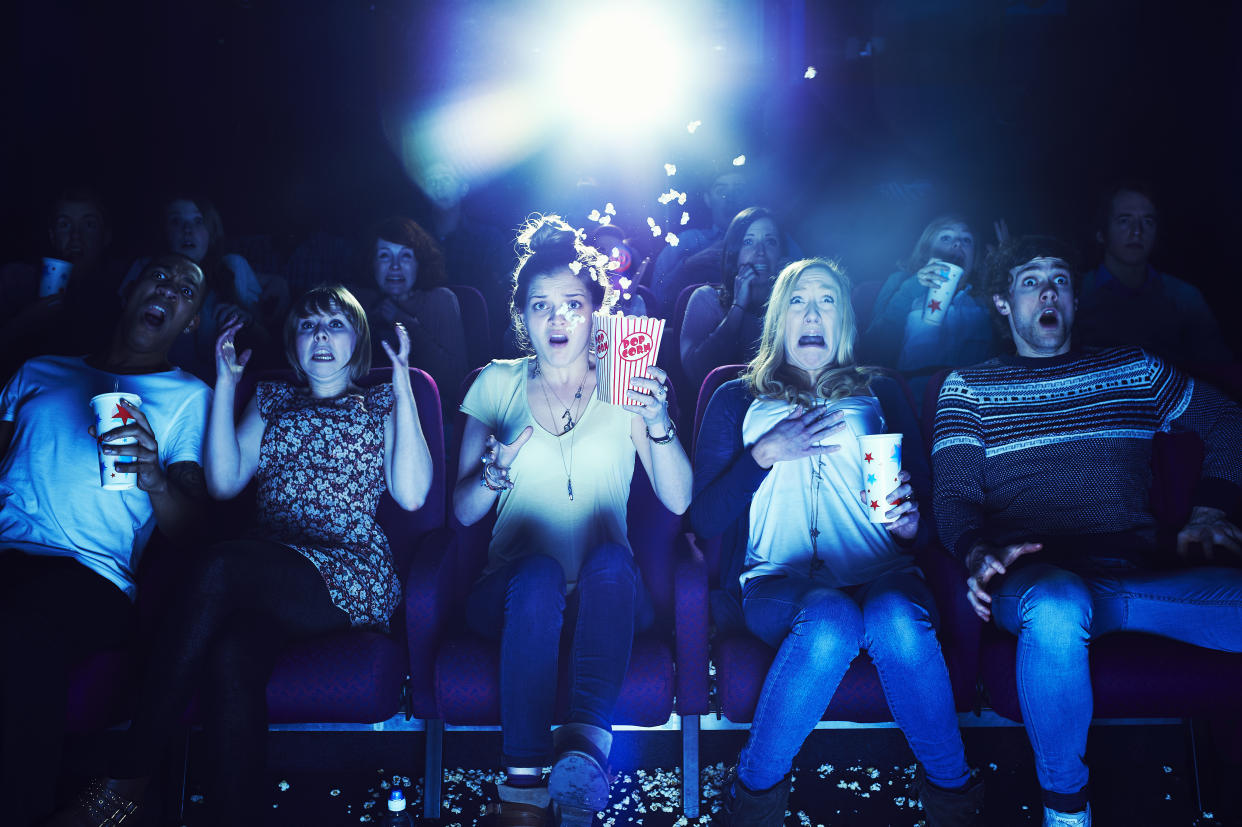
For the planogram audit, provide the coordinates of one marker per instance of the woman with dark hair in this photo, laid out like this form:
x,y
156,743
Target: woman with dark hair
x,y
192,227
407,270
723,321
901,336
322,451
556,463
778,471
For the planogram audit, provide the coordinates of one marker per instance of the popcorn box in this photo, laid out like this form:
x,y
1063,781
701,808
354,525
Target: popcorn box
x,y
625,346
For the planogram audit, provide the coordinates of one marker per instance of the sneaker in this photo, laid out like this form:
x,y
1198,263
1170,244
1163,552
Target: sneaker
x,y
743,807
1056,818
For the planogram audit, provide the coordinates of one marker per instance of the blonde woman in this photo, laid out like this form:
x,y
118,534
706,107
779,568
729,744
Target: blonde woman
x,y
777,472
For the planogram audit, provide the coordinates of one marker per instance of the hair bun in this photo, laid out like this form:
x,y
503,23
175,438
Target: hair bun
x,y
549,234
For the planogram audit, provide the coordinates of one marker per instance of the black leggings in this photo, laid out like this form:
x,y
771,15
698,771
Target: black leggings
x,y
243,602
54,611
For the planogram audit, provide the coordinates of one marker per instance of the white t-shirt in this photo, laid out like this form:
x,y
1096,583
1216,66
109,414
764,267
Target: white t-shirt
x,y
51,501
536,515
853,549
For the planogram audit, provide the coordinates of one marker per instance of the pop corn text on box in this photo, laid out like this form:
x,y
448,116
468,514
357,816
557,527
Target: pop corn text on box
x,y
625,346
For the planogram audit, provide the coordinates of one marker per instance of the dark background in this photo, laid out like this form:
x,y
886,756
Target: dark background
x,y
276,108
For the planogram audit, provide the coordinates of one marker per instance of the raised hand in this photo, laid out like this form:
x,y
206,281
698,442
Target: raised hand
x,y
229,365
744,286
498,458
400,358
985,562
796,436
652,396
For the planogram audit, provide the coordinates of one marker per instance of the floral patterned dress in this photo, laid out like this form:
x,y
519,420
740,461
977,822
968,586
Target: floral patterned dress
x,y
320,479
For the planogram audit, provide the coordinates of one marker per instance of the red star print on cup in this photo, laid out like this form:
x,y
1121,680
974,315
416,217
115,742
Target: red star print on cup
x,y
867,458
122,414
934,306
874,504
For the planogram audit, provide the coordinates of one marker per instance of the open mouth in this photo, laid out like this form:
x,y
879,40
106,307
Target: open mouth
x,y
322,355
1049,317
811,341
154,315
558,339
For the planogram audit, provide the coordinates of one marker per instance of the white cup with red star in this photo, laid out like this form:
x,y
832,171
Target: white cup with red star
x,y
881,467
938,298
109,415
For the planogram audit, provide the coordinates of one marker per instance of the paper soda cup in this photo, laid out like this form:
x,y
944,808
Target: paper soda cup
x,y
881,464
938,298
625,346
109,415
55,277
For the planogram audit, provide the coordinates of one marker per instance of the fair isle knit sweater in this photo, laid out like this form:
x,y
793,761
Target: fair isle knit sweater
x,y
1059,449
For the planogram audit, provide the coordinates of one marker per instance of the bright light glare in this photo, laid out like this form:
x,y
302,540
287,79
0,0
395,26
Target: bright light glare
x,y
596,64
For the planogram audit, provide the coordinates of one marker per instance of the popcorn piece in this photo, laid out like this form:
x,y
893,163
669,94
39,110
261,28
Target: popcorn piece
x,y
809,73
670,169
739,161
685,218
605,220
1167,769
655,231
625,283
575,267
334,792
671,240
650,221
593,215
283,786
681,198
692,126
610,209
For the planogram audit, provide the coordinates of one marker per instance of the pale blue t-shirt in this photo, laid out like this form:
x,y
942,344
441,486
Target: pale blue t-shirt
x,y
853,549
51,501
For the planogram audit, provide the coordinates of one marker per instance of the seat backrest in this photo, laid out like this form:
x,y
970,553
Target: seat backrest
x,y
863,298
679,309
713,380
477,324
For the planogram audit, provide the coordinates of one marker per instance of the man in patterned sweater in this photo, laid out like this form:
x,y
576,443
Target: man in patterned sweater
x,y
1041,462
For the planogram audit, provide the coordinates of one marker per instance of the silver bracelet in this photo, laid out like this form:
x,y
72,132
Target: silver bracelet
x,y
502,483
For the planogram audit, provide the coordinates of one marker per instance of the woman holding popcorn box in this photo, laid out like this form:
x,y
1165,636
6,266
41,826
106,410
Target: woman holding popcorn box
x,y
794,468
550,444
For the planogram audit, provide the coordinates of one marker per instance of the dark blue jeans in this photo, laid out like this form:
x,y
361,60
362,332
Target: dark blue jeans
x,y
1056,612
524,605
817,632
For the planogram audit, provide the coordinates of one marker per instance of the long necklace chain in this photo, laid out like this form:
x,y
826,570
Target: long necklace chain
x,y
567,464
817,481
573,403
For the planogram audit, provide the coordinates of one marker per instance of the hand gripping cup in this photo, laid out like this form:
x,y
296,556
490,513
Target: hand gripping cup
x,y
55,277
938,298
881,463
625,346
108,415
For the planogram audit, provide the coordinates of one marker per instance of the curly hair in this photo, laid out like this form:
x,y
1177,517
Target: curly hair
x,y
770,375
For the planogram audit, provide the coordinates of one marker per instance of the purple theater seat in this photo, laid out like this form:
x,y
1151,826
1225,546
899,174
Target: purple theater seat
x,y
667,670
477,324
742,660
357,676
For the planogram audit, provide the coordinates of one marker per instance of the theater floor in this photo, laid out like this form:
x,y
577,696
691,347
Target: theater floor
x,y
1142,775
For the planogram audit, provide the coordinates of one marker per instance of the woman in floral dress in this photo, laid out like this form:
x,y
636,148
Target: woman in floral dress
x,y
322,451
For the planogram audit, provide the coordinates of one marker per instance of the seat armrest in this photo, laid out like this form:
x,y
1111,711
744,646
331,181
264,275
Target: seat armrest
x,y
429,600
690,607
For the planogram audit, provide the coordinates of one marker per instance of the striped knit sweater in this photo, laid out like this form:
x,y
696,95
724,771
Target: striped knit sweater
x,y
1052,449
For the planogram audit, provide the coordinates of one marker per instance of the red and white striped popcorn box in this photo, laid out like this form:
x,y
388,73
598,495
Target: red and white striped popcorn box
x,y
625,346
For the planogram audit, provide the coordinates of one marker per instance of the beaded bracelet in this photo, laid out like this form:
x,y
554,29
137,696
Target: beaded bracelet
x,y
502,483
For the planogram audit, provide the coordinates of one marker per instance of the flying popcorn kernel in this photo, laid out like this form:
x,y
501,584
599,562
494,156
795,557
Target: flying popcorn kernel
x,y
809,73
656,230
610,209
575,267
593,215
693,125
605,220
671,240
739,161
670,169
650,221
685,218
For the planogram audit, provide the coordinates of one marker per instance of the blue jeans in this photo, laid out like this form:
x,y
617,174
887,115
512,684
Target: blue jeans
x,y
1056,612
524,605
817,631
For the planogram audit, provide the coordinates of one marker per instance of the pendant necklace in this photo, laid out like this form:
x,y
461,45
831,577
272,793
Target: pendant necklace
x,y
569,427
817,481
